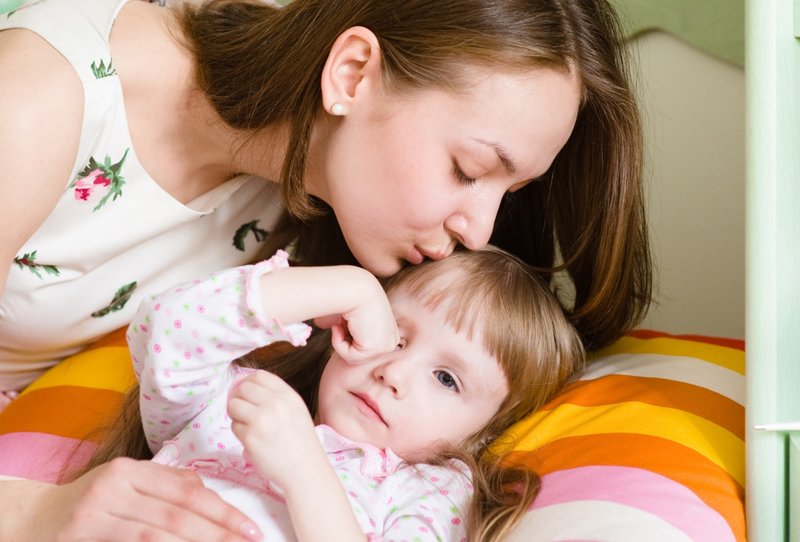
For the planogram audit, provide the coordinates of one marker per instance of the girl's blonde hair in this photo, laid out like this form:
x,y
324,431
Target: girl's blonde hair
x,y
486,293
261,65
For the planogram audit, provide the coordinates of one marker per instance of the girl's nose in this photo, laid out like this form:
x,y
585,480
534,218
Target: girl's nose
x,y
392,375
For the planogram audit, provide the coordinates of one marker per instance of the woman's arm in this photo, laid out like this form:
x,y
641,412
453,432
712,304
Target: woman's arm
x,y
41,111
121,501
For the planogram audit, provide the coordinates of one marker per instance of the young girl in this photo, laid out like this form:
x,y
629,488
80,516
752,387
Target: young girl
x,y
403,414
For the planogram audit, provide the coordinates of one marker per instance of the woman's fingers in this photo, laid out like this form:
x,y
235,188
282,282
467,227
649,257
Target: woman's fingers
x,y
139,499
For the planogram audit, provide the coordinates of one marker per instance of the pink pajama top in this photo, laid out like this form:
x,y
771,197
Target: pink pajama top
x,y
183,341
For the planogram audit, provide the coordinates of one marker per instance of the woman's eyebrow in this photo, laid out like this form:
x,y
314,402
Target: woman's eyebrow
x,y
502,154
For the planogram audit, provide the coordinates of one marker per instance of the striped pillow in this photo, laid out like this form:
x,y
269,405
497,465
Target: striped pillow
x,y
648,445
54,421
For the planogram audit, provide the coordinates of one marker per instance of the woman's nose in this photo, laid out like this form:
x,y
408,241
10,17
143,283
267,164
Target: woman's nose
x,y
473,223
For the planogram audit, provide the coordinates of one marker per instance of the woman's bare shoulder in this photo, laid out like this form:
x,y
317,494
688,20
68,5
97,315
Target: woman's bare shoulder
x,y
41,112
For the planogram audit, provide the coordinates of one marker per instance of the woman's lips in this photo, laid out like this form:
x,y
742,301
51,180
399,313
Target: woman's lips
x,y
415,257
369,408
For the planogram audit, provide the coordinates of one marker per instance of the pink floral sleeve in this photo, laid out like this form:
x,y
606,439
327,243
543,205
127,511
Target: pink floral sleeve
x,y
183,341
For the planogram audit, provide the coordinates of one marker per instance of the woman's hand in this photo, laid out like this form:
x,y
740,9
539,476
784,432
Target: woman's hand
x,y
123,500
272,422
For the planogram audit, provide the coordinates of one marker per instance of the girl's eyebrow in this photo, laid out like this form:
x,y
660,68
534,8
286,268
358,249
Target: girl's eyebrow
x,y
502,154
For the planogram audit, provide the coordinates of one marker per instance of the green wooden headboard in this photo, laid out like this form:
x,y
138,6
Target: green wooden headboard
x,y
773,264
715,26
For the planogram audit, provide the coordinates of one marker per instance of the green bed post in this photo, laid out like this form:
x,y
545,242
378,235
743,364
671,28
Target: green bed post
x,y
772,62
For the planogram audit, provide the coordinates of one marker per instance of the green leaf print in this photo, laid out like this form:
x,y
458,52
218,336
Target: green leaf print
x,y
101,70
13,6
100,178
121,297
244,229
29,260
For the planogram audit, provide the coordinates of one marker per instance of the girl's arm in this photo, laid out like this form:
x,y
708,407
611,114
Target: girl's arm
x,y
265,410
184,340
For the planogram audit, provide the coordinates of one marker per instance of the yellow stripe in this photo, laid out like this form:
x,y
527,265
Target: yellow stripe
x,y
717,444
730,358
106,368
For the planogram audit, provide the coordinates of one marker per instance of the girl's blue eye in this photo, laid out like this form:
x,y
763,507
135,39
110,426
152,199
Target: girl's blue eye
x,y
447,380
461,176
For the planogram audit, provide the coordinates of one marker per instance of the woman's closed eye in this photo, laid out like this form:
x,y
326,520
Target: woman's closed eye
x,y
447,380
462,177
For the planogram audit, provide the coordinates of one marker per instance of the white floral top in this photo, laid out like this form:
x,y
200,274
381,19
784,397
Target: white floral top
x,y
115,235
182,342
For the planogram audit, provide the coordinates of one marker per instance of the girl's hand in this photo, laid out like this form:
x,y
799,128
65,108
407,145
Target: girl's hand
x,y
368,327
347,299
272,422
131,500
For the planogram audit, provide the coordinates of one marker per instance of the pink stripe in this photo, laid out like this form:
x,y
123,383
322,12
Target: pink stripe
x,y
40,456
650,492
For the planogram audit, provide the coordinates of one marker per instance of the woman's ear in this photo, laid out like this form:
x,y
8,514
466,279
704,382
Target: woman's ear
x,y
351,71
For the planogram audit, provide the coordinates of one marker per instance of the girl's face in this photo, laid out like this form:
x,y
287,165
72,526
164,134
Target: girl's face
x,y
434,391
411,176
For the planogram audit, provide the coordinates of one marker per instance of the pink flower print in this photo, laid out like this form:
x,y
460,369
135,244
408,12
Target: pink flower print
x,y
456,521
157,348
178,324
434,479
187,355
196,425
201,309
220,446
192,447
157,307
200,349
100,180
94,185
443,492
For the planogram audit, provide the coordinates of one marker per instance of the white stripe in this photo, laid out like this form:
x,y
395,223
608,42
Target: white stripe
x,y
594,520
695,371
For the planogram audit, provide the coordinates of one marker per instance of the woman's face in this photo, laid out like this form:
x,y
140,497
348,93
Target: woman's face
x,y
411,176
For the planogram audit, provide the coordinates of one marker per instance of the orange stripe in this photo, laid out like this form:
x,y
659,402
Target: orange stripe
x,y
613,389
712,484
719,341
66,411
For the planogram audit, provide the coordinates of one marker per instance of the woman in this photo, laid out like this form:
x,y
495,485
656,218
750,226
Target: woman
x,y
393,130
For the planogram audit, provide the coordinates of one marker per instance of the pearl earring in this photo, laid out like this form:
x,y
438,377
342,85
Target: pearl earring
x,y
337,109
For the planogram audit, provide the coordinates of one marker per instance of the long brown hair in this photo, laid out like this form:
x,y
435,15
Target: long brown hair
x,y
486,293
261,65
